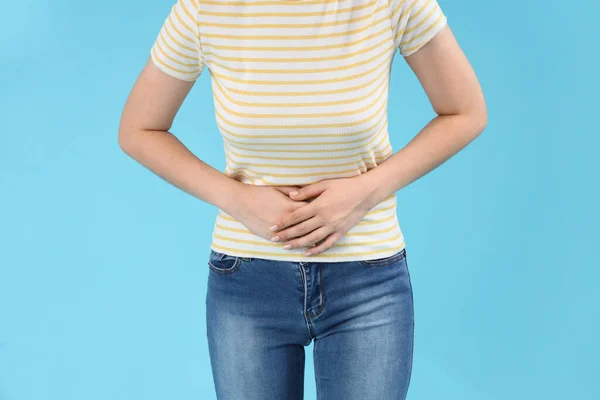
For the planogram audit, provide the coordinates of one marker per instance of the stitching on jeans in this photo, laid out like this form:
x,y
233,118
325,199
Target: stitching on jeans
x,y
410,365
317,313
412,351
225,271
384,262
322,289
305,295
219,254
316,367
412,299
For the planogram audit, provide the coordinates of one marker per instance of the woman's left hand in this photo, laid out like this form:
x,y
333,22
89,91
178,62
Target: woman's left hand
x,y
339,205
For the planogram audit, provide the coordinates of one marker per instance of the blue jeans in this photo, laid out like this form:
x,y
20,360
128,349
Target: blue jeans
x,y
260,314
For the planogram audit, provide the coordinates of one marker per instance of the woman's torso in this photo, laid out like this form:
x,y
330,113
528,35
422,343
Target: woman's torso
x,y
301,92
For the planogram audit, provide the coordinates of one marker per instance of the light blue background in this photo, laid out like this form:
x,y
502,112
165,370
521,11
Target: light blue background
x,y
103,264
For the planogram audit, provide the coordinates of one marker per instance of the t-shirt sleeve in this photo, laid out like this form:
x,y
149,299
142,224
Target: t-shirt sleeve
x,y
177,49
414,23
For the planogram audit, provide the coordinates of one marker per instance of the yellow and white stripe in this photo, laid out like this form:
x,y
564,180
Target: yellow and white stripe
x,y
300,89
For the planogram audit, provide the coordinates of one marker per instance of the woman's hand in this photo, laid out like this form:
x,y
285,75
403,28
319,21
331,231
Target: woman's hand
x,y
340,205
258,206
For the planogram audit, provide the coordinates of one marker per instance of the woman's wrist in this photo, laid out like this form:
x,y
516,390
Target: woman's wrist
x,y
376,185
231,196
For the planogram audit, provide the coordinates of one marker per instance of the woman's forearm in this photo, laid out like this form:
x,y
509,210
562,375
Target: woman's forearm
x,y
165,155
439,140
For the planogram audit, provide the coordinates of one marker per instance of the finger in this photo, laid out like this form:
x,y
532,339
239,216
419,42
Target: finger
x,y
297,230
295,217
285,189
294,205
299,204
312,190
310,239
326,244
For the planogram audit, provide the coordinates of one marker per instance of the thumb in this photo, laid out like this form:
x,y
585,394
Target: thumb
x,y
308,191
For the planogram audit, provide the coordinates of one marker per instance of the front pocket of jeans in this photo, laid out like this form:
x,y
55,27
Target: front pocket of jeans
x,y
386,261
221,263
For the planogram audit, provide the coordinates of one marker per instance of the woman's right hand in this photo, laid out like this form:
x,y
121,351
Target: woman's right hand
x,y
258,206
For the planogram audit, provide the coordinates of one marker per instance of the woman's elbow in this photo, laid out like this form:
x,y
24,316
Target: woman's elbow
x,y
478,116
481,121
126,138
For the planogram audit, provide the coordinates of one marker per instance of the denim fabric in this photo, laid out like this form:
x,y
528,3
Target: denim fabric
x,y
260,315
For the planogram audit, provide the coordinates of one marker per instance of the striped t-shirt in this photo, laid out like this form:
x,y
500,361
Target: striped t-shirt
x,y
300,89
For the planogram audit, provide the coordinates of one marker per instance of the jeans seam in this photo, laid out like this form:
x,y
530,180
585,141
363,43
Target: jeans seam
x,y
316,368
410,365
387,261
412,351
234,268
304,314
322,307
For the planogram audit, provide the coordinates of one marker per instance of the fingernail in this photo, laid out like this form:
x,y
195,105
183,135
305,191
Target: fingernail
x,y
295,192
308,253
275,239
287,246
273,228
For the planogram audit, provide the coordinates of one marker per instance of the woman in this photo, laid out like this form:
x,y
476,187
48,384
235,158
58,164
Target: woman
x,y
306,244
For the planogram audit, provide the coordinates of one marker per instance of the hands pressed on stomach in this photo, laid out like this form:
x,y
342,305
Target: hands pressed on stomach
x,y
315,218
260,206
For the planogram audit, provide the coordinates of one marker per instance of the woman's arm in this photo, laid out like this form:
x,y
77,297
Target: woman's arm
x,y
456,96
144,135
175,63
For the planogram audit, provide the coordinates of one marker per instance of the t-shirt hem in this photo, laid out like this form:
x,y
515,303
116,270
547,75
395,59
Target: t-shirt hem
x,y
297,255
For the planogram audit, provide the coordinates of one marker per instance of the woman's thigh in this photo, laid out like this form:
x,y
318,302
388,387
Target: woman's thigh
x,y
363,347
260,314
255,328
